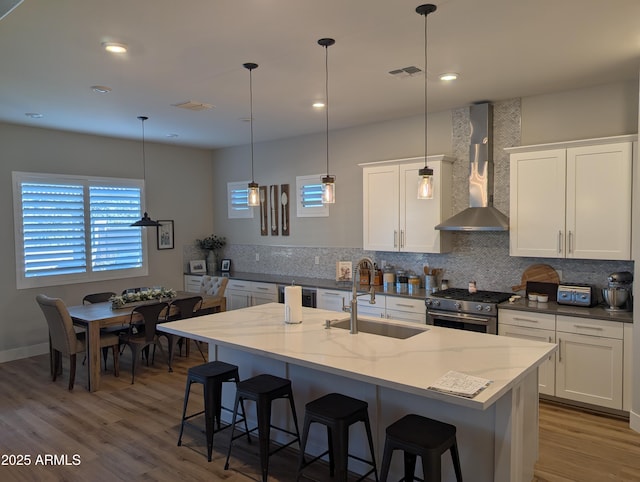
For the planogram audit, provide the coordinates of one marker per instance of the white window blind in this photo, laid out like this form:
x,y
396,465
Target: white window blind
x,y
309,197
238,200
70,229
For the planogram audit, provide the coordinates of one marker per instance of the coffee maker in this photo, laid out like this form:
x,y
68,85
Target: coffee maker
x,y
618,295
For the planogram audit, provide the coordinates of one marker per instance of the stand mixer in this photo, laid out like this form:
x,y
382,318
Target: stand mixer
x,y
618,295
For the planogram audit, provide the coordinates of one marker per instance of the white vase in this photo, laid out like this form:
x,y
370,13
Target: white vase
x,y
212,262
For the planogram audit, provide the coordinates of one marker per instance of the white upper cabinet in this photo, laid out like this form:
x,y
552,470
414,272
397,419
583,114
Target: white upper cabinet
x,y
394,219
572,200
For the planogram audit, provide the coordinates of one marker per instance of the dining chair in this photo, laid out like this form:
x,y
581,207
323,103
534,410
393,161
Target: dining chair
x,y
214,287
97,297
141,335
64,340
181,309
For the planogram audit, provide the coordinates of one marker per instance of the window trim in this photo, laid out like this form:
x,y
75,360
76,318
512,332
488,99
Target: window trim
x,y
23,282
236,213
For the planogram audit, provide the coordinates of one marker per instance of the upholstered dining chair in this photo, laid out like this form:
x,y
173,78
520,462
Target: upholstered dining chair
x,y
214,286
141,335
65,341
97,297
180,309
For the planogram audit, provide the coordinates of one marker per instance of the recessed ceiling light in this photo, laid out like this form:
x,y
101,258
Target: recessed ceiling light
x,y
100,89
114,47
34,115
318,105
448,76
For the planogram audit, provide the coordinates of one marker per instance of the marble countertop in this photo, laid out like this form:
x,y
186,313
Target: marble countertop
x,y
597,312
409,365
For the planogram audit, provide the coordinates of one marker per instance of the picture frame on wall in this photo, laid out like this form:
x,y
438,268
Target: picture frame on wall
x,y
165,234
225,266
198,266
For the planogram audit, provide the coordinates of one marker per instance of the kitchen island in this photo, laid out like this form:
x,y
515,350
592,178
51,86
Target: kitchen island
x,y
497,429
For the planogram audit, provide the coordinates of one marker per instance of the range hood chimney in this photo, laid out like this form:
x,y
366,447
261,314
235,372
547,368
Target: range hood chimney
x,y
480,215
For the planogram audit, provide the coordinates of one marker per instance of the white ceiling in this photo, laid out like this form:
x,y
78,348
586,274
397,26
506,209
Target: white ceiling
x,y
50,55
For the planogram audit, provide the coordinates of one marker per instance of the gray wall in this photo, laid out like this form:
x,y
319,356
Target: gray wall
x,y
178,185
597,112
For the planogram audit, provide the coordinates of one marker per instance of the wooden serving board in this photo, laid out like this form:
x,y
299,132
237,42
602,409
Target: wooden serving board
x,y
537,272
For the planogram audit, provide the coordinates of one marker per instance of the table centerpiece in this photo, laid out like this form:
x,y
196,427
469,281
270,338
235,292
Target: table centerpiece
x,y
153,294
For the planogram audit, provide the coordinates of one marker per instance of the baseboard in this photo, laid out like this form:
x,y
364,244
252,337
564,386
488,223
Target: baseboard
x,y
23,352
634,421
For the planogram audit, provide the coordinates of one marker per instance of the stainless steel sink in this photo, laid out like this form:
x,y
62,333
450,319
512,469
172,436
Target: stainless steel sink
x,y
381,328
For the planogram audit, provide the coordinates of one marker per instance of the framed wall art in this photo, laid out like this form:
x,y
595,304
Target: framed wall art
x,y
225,267
165,234
198,266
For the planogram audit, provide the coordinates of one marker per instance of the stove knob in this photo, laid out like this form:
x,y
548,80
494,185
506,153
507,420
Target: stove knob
x,y
436,302
457,305
487,308
428,302
478,307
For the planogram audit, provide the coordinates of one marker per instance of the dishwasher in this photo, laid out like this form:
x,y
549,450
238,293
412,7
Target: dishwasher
x,y
308,296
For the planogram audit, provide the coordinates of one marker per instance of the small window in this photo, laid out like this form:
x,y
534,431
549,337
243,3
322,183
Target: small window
x,y
237,200
309,197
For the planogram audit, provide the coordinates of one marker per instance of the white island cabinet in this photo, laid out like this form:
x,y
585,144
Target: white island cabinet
x,y
241,293
497,430
572,199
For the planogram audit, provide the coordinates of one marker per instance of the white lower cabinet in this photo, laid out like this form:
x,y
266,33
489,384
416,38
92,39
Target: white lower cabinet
x,y
192,282
242,294
533,326
593,363
406,309
589,362
332,300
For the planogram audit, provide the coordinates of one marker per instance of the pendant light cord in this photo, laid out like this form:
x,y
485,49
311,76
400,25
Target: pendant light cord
x,y
326,100
425,90
144,162
251,117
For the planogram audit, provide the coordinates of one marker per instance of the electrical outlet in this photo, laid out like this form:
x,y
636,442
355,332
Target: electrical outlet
x,y
257,257
317,261
383,263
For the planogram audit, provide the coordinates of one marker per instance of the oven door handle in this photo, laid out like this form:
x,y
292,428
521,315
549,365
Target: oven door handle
x,y
459,318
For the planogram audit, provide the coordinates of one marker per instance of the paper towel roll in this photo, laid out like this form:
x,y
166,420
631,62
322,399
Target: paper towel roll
x,y
293,304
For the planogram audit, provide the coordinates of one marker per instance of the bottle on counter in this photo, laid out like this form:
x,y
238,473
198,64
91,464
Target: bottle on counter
x,y
402,281
414,283
388,278
444,284
472,287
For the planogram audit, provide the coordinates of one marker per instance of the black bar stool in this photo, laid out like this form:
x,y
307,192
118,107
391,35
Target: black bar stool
x,y
212,375
264,389
422,436
338,412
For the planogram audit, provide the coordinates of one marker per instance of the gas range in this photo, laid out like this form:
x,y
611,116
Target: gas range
x,y
458,308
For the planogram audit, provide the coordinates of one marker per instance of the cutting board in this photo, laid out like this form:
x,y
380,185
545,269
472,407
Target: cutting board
x,y
537,272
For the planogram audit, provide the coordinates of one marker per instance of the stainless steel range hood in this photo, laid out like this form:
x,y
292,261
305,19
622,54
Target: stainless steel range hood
x,y
480,215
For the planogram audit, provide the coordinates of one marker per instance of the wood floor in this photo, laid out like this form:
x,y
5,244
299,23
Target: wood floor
x,y
129,432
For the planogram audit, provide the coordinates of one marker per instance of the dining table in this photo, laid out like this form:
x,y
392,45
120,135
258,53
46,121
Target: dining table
x,y
92,317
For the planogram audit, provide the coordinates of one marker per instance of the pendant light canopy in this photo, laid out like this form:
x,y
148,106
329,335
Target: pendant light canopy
x,y
146,221
425,185
328,181
254,192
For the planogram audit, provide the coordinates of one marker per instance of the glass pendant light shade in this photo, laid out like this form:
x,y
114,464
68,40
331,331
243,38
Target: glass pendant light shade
x,y
328,181
425,186
328,190
146,221
253,198
254,194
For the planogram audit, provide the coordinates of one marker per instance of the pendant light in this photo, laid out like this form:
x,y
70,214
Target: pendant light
x,y
328,181
146,221
425,185
254,193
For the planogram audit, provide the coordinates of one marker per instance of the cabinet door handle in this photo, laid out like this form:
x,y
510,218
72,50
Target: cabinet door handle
x,y
570,247
405,305
402,238
526,319
395,238
261,288
331,294
550,356
586,327
559,350
560,242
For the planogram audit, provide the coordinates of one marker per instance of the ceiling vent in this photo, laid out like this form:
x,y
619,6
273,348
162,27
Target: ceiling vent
x,y
194,106
403,73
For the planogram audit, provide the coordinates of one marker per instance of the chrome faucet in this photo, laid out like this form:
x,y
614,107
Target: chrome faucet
x,y
353,309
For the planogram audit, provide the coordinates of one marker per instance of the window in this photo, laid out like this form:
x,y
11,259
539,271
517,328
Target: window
x,y
309,197
72,229
238,199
